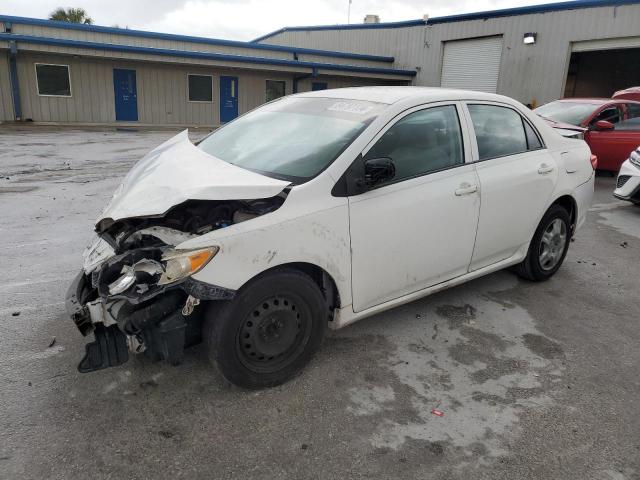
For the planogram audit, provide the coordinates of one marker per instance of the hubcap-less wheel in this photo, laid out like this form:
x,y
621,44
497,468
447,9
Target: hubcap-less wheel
x,y
552,244
272,334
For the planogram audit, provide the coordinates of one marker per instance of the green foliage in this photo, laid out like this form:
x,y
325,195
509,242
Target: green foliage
x,y
72,15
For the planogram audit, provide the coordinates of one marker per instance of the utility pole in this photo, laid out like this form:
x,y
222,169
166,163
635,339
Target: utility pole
x,y
349,13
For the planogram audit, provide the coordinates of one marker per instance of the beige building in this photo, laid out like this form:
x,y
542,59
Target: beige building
x,y
71,73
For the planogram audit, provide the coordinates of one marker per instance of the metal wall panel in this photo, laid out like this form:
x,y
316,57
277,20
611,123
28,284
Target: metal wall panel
x,y
161,89
528,73
6,100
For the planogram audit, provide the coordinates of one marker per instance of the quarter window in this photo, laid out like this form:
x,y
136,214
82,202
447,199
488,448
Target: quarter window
x,y
53,80
533,141
501,131
200,88
422,142
275,89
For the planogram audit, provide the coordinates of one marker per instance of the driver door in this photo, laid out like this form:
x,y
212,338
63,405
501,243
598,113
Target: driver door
x,y
418,228
607,145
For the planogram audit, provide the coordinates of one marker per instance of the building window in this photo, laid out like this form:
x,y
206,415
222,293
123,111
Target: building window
x,y
275,89
53,80
200,88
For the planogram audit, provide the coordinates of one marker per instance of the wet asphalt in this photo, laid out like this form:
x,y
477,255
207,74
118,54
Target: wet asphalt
x,y
534,381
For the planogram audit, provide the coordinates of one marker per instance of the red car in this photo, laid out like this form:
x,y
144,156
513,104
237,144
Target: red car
x,y
613,125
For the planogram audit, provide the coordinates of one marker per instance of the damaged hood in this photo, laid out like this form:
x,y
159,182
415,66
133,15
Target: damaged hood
x,y
178,171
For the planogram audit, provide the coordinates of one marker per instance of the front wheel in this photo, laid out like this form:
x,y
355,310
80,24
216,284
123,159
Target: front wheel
x,y
269,331
548,246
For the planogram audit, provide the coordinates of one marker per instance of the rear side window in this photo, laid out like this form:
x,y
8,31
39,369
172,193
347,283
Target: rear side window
x,y
422,142
633,110
501,131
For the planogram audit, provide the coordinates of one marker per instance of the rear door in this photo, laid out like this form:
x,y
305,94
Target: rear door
x,y
417,229
517,177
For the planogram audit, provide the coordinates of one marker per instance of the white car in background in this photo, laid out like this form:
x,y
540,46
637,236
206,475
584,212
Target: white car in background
x,y
628,182
317,210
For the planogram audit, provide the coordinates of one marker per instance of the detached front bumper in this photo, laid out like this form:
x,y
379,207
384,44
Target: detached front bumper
x,y
161,326
109,348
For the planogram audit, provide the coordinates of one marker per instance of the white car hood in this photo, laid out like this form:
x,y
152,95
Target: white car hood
x,y
177,171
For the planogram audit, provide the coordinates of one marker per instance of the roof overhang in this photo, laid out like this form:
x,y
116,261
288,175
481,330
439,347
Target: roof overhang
x,y
246,60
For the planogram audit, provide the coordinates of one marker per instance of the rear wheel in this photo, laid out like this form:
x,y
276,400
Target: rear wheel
x,y
548,246
269,331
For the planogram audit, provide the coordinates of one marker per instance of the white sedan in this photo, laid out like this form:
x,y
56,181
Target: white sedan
x,y
317,210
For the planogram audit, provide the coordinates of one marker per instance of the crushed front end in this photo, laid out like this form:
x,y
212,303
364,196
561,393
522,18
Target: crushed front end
x,y
136,293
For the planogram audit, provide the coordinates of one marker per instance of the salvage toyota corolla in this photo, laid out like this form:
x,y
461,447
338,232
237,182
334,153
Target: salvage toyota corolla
x,y
317,210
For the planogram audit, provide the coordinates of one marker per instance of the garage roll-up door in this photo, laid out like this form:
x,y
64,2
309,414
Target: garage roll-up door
x,y
606,44
472,64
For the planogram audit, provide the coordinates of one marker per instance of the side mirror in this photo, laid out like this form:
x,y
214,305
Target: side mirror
x,y
603,125
378,170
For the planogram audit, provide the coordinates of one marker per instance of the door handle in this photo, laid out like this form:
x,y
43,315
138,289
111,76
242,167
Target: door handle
x,y
466,189
544,169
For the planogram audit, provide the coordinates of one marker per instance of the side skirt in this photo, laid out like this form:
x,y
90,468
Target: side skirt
x,y
346,316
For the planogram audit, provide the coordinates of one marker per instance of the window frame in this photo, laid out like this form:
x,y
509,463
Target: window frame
x,y
464,135
212,89
274,80
523,118
35,69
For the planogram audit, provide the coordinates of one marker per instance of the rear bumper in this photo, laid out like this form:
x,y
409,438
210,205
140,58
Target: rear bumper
x,y
584,196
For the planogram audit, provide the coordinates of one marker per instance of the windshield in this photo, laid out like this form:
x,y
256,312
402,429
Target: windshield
x,y
567,112
292,138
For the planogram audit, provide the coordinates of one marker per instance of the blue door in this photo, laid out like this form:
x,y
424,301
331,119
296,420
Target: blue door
x,y
126,95
318,86
228,98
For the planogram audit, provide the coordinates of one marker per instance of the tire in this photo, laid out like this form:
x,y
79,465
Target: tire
x,y
552,236
269,331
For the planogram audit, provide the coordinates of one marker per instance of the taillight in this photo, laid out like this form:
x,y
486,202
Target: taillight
x,y
594,161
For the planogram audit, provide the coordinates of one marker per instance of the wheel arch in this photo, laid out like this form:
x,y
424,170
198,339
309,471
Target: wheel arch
x,y
570,205
319,275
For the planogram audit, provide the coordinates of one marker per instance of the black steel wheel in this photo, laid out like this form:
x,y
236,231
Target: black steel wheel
x,y
273,333
269,331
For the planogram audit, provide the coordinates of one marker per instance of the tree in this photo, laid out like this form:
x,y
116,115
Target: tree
x,y
72,15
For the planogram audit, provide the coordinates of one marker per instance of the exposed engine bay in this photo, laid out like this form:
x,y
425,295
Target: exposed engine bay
x,y
135,292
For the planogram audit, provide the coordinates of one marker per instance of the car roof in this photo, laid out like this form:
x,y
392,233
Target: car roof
x,y
594,101
390,95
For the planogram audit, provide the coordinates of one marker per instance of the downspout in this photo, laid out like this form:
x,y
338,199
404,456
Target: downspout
x,y
13,74
313,74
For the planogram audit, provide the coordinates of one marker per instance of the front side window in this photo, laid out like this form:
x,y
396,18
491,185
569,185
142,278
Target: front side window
x,y
500,131
611,114
422,142
275,89
292,138
200,88
53,80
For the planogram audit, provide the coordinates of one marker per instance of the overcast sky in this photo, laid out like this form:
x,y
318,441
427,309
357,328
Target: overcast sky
x,y
247,19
